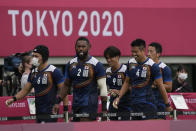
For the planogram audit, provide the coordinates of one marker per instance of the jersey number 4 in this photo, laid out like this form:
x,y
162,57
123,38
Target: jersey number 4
x,y
143,74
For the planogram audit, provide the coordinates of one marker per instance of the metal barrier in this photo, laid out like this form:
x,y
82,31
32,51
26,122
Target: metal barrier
x,y
68,115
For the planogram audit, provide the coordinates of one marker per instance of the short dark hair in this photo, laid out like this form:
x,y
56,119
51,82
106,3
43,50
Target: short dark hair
x,y
181,68
83,38
157,47
112,51
139,43
43,51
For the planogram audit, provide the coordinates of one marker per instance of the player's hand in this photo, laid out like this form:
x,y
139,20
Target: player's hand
x,y
55,109
9,101
169,109
153,86
116,102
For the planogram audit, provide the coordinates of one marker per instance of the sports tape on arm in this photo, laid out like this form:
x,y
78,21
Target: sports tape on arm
x,y
102,86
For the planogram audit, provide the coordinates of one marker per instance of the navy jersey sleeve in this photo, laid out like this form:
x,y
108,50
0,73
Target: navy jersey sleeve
x,y
127,70
127,73
29,78
100,71
167,76
58,76
67,76
156,72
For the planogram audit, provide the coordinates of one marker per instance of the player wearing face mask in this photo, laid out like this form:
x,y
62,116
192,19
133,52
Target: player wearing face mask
x,y
35,62
46,80
180,84
182,76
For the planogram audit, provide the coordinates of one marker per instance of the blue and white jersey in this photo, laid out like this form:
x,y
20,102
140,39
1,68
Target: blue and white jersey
x,y
141,77
167,77
45,85
166,72
115,80
84,76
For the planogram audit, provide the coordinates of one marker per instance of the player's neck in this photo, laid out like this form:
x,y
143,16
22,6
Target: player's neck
x,y
142,59
116,67
42,66
85,59
157,60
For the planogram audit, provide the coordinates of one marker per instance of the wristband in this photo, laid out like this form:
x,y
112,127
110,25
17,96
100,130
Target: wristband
x,y
167,105
104,105
58,100
14,98
65,108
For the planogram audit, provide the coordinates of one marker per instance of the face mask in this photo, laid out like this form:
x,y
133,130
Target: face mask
x,y
183,76
35,62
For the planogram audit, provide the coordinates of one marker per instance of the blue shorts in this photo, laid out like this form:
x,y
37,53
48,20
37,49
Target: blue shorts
x,y
92,110
147,108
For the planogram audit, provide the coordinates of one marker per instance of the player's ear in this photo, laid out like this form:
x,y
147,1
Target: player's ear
x,y
89,46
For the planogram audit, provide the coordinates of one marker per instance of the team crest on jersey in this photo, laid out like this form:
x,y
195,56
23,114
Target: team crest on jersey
x,y
145,68
86,67
73,66
119,76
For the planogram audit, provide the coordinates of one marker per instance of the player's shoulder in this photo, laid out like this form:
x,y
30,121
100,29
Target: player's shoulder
x,y
132,60
162,65
150,62
51,68
109,70
165,67
74,60
123,68
93,61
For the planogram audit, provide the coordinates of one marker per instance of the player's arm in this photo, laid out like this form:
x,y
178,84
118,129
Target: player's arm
x,y
123,90
21,94
62,94
103,92
60,80
168,86
156,74
64,90
66,84
167,79
159,83
125,87
66,108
